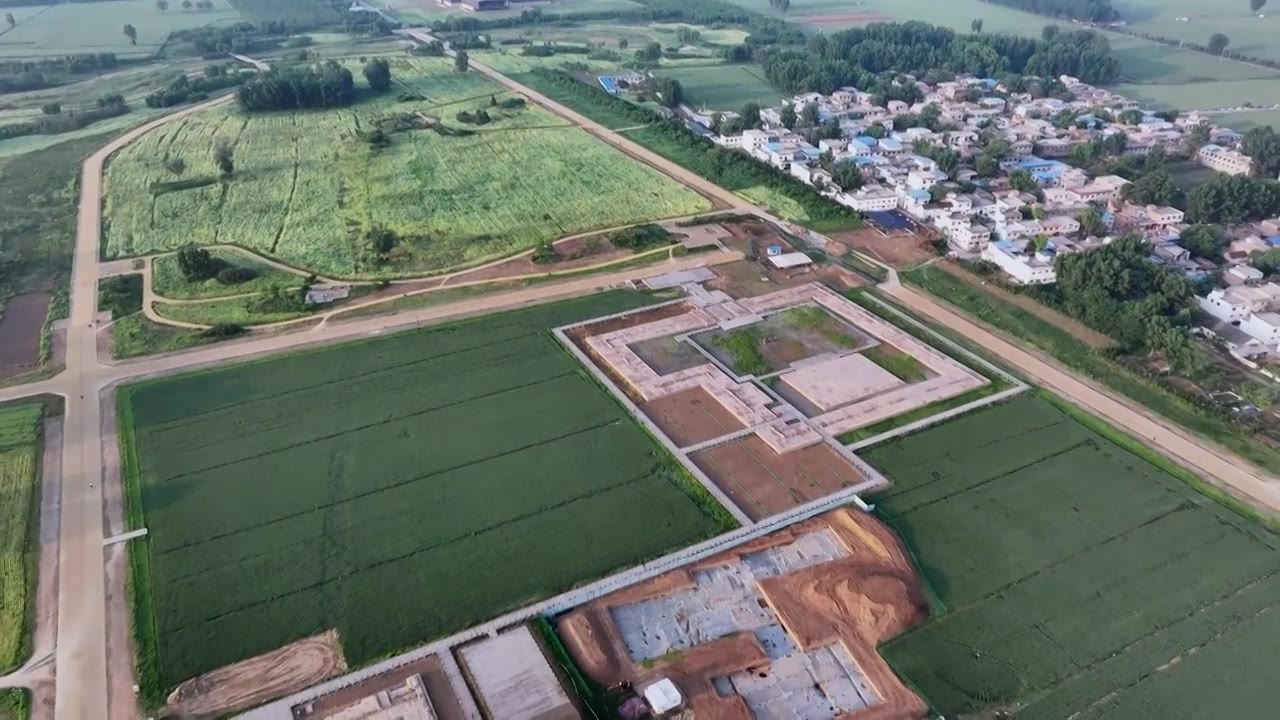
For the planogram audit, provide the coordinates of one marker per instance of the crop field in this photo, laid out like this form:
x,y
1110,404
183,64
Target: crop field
x,y
297,12
94,27
168,282
306,186
724,87
1079,579
428,11
1249,34
466,470
19,512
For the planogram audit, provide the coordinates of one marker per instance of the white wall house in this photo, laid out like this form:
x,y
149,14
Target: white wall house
x,y
1225,160
1025,269
1264,326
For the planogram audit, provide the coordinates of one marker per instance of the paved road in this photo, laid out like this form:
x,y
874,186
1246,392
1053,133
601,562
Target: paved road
x,y
1213,463
81,654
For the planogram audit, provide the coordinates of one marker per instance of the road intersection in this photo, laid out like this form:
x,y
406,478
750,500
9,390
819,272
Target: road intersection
x,y
80,653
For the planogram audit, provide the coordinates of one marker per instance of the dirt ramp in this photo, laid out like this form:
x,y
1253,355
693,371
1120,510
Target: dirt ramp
x,y
259,679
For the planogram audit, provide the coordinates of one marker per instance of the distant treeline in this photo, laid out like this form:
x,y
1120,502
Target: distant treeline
x,y
22,75
1229,54
185,89
856,56
322,85
1098,11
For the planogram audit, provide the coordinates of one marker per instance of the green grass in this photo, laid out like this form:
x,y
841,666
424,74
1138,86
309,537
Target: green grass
x,y
900,365
1079,577
15,704
724,87
121,294
743,348
233,311
135,336
305,188
921,413
398,489
427,12
167,280
19,522
1065,348
97,27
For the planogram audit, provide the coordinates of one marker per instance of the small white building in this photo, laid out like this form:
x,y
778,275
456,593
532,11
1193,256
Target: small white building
x,y
869,199
1022,266
1263,326
789,261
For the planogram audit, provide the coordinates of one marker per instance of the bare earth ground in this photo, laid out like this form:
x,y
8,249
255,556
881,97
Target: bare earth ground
x,y
764,483
1082,333
20,328
747,278
567,248
251,682
859,601
691,416
900,251
433,677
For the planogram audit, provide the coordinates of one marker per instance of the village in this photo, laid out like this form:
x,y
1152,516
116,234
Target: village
x,y
989,172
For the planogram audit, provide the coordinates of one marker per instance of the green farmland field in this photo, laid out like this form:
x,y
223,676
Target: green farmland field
x,y
1079,579
96,27
306,186
398,489
19,512
725,87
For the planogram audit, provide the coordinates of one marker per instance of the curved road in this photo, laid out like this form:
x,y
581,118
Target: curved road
x,y
81,655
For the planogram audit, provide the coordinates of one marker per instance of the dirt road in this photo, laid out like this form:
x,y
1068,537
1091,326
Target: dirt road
x,y
1224,469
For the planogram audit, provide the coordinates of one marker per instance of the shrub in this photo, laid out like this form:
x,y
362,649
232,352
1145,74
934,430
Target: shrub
x,y
234,275
223,330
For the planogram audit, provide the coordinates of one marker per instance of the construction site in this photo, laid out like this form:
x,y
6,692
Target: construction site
x,y
750,393
785,627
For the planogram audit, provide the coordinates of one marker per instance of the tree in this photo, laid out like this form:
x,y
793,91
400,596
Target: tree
x,y
186,5
52,108
750,115
986,166
1039,242
668,91
1022,181
652,52
1268,261
1256,5
877,131
1218,43
1050,32
976,25
460,61
1263,145
162,5
131,32
196,263
788,116
175,165
8,18
1202,241
1130,117
1091,223
623,44
1156,159
380,241
1154,188
1196,138
378,73
847,175
809,114
224,156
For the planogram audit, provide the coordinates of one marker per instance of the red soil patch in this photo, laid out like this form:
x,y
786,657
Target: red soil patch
x,y
691,416
763,483
858,601
20,327
845,19
900,251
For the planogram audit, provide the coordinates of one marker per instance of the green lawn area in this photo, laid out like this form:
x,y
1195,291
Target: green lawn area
x,y
305,187
135,336
1078,579
19,520
232,311
168,282
398,489
725,87
15,704
899,364
96,27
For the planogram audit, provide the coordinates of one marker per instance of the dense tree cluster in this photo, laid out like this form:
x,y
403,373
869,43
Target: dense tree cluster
x,y
377,72
1117,290
23,75
1231,200
321,85
1098,11
860,55
1263,145
56,120
1157,187
187,89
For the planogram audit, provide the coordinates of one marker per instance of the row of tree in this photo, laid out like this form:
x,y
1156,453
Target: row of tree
x,y
188,89
320,85
1097,11
1231,200
55,120
857,56
23,75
